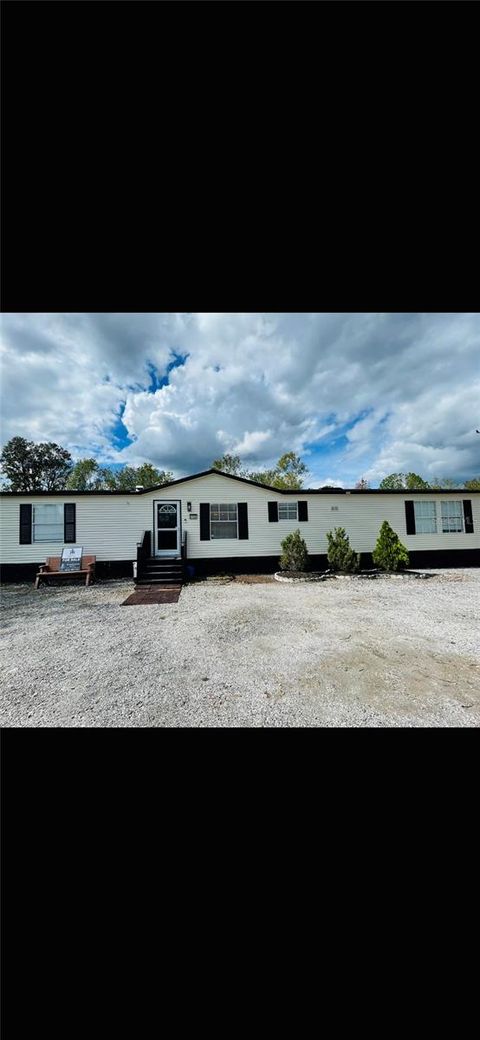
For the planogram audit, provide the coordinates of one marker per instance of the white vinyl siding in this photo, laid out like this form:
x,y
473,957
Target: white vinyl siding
x,y
109,526
288,510
452,517
47,523
224,520
425,517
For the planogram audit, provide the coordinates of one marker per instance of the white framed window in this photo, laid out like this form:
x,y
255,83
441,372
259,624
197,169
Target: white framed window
x,y
425,517
47,523
288,510
452,517
224,520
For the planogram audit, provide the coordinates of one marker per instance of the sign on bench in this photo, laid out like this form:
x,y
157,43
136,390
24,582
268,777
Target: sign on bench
x,y
71,558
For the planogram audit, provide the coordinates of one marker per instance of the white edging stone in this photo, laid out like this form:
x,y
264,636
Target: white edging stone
x,y
300,580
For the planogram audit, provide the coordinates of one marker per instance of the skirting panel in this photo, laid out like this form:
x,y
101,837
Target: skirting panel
x,y
25,572
269,564
444,558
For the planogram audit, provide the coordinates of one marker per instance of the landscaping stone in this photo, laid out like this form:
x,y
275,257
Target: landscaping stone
x,y
305,576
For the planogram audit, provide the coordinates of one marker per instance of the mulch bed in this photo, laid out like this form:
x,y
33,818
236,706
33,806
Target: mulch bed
x,y
153,594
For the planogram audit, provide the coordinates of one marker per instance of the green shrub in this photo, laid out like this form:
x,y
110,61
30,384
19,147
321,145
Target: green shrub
x,y
389,553
341,556
294,553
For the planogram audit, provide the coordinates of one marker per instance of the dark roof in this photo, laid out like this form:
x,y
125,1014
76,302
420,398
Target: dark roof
x,y
255,483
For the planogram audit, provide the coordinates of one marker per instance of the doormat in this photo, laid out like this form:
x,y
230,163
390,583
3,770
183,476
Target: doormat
x,y
153,594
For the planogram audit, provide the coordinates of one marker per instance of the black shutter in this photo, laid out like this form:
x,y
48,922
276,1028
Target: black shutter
x,y
468,515
69,522
410,517
25,536
273,512
242,519
204,521
303,510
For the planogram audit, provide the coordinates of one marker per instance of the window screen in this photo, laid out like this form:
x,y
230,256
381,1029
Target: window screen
x,y
47,523
287,511
425,517
223,521
452,516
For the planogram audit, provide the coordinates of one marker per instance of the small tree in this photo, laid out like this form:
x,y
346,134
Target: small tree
x,y
389,553
396,481
85,476
229,464
341,556
263,476
146,476
294,552
290,471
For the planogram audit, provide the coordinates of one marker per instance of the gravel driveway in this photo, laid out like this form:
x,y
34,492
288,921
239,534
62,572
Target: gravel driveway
x,y
389,652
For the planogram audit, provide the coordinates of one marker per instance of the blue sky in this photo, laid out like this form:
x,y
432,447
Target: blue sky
x,y
354,394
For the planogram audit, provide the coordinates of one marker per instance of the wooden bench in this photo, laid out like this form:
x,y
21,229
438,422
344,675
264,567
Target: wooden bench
x,y
51,569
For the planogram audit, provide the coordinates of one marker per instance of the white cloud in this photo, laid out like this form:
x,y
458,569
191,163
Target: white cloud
x,y
252,443
384,391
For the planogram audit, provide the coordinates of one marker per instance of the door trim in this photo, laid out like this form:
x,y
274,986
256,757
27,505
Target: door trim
x,y
167,553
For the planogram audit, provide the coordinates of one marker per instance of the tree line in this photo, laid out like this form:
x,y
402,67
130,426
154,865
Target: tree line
x,y
290,470
412,482
26,466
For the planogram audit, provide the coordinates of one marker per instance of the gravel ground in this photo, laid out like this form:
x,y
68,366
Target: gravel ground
x,y
388,652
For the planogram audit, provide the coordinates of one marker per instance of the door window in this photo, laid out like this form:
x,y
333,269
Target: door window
x,y
167,524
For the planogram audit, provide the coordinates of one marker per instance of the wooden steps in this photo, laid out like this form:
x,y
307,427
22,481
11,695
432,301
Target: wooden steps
x,y
162,572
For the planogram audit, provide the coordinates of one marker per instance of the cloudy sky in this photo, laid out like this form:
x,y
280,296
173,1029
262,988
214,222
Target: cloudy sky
x,y
354,394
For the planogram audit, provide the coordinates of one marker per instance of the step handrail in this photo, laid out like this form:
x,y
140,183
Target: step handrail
x,y
144,549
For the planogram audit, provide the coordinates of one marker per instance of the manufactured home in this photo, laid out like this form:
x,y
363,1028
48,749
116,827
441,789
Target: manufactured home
x,y
217,522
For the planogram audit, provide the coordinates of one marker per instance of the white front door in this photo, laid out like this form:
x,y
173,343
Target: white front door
x,y
167,528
